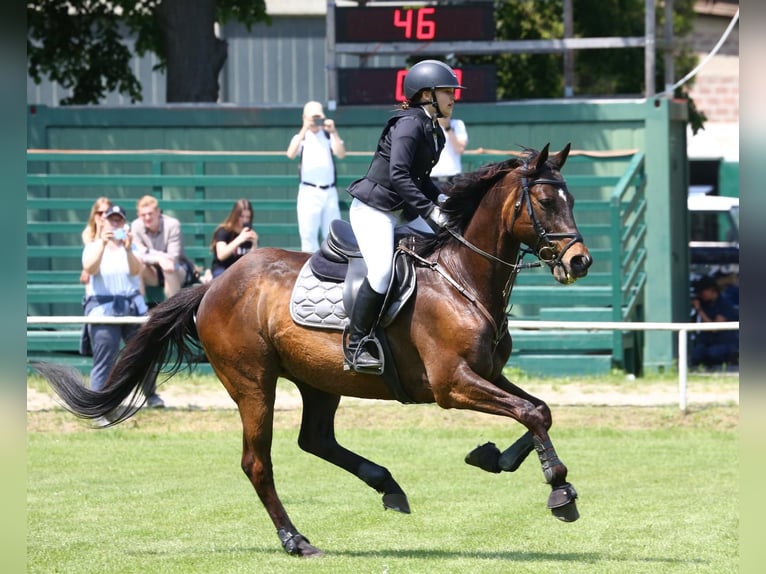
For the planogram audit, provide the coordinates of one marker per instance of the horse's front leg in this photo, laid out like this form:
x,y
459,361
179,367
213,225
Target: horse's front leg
x,y
506,399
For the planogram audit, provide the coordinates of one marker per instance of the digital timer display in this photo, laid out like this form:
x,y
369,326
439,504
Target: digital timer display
x,y
466,22
380,86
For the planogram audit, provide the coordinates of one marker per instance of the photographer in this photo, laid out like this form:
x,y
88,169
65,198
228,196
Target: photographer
x,y
318,143
713,348
233,238
113,290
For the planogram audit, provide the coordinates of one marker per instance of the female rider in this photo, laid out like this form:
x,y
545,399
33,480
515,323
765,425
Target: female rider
x,y
397,191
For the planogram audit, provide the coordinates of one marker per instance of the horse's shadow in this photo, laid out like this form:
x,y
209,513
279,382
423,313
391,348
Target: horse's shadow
x,y
511,555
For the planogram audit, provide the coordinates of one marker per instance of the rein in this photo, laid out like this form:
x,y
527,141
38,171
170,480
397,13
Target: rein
x,y
547,254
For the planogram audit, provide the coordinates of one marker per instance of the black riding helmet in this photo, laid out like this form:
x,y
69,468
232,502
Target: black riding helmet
x,y
429,75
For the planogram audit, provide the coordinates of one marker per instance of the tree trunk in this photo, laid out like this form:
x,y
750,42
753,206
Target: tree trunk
x,y
195,56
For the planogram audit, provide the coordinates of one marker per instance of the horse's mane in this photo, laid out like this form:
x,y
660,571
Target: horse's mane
x,y
465,195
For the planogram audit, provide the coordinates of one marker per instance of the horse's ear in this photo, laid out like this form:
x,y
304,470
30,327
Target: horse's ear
x,y
541,158
561,158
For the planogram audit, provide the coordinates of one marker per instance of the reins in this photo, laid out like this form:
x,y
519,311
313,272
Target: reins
x,y
547,254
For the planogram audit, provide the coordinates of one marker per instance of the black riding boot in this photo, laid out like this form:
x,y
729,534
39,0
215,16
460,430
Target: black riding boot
x,y
366,310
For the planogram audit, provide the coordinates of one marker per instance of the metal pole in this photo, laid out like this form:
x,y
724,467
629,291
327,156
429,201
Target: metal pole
x,y
568,54
669,49
682,338
649,49
331,64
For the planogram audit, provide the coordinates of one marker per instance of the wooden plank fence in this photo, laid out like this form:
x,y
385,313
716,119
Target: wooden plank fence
x,y
200,187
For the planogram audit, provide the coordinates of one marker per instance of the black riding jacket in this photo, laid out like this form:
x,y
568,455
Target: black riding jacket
x,y
399,175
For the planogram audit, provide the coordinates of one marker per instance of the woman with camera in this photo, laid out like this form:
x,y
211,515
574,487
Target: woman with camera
x,y
113,290
233,238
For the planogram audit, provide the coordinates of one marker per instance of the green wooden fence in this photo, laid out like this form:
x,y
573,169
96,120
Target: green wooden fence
x,y
199,188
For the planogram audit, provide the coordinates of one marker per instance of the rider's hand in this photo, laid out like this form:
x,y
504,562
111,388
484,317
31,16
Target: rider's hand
x,y
436,219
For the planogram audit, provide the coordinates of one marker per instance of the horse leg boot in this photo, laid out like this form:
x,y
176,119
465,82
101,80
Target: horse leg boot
x,y
561,501
365,312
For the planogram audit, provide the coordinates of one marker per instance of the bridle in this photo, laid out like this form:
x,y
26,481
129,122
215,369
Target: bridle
x,y
544,249
547,253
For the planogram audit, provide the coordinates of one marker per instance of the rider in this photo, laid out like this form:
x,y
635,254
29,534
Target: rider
x,y
397,191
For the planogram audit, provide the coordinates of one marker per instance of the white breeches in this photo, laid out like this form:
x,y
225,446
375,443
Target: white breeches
x,y
374,230
316,209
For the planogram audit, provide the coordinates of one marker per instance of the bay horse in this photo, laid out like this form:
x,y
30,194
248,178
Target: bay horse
x,y
450,340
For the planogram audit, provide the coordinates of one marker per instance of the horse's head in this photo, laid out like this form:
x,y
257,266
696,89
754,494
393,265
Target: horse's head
x,y
540,215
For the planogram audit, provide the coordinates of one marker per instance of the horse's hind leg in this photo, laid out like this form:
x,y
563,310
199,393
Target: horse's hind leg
x,y
317,436
257,414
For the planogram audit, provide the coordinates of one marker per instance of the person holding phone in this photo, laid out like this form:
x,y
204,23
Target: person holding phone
x,y
318,144
113,290
233,238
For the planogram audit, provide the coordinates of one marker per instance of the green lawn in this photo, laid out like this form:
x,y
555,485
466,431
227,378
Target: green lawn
x,y
659,492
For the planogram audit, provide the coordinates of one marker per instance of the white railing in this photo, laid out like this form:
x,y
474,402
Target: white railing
x,y
682,329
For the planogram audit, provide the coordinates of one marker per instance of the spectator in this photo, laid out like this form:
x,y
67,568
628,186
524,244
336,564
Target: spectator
x,y
93,227
234,237
160,247
450,161
728,285
318,143
113,290
712,348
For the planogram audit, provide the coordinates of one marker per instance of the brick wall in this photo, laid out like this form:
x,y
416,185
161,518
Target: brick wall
x,y
716,87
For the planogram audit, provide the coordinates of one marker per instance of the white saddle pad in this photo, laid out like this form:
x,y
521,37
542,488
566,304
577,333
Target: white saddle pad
x,y
317,303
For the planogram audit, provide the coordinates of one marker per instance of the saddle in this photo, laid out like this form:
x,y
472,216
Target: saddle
x,y
326,288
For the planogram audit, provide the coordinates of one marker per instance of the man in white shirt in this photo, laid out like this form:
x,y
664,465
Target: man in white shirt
x,y
317,142
158,237
450,164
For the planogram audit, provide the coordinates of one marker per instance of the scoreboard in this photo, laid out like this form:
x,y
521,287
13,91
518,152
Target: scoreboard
x,y
412,24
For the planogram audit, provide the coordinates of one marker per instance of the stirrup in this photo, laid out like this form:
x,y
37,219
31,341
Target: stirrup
x,y
350,364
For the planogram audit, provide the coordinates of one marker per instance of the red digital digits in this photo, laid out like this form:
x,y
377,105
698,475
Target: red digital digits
x,y
421,28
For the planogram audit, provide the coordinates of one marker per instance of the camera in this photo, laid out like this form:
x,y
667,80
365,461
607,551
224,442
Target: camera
x,y
121,233
319,122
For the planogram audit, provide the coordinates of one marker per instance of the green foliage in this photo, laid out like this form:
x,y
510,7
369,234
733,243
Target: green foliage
x,y
80,44
84,53
612,72
521,76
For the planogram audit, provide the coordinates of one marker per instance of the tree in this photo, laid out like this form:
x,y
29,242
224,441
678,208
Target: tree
x,y
80,44
610,72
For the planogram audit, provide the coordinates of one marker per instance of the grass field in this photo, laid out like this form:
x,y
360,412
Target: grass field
x,y
659,492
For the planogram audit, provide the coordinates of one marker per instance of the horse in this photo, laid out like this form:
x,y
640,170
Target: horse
x,y
450,340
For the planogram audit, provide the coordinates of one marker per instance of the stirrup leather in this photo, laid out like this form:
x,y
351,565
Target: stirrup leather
x,y
350,359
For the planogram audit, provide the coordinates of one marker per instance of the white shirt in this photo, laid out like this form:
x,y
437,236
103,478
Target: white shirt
x,y
317,165
449,161
114,278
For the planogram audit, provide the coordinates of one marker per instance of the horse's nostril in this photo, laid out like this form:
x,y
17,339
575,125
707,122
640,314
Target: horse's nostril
x,y
580,263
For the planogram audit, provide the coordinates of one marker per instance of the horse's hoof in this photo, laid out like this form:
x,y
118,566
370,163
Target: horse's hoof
x,y
485,456
396,502
296,544
562,503
566,513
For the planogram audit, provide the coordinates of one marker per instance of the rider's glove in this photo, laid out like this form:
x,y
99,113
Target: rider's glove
x,y
436,219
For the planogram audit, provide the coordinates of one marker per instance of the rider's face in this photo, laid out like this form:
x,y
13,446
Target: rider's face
x,y
445,97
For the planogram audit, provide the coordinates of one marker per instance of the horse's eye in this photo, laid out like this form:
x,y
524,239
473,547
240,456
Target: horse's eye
x,y
547,201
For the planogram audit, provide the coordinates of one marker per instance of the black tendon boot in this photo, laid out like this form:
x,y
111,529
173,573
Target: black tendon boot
x,y
366,310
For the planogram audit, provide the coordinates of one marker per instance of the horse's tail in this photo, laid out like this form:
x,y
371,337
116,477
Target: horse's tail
x,y
168,337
